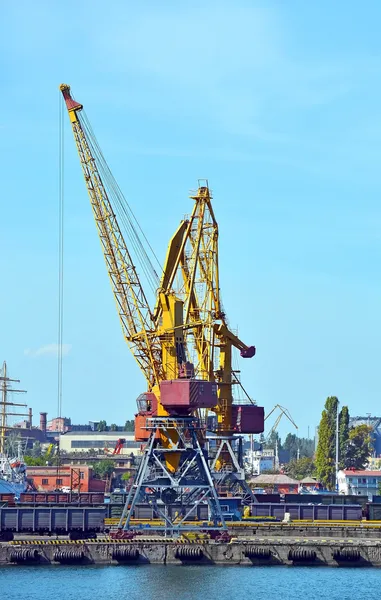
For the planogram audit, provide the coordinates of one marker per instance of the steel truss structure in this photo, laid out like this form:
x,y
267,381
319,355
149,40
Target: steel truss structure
x,y
185,488
230,478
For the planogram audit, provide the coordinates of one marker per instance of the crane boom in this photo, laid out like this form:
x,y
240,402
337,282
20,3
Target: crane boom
x,y
135,315
282,411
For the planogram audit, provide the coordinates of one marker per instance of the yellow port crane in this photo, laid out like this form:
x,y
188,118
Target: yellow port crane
x,y
175,469
187,313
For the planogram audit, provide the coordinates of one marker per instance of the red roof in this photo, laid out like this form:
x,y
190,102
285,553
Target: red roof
x,y
350,473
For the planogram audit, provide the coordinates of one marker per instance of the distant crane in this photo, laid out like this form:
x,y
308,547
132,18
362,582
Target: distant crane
x,y
119,445
282,411
49,451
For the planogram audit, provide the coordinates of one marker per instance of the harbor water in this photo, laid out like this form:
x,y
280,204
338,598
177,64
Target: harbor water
x,y
188,583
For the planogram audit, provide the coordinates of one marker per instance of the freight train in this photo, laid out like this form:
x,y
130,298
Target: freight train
x,y
84,515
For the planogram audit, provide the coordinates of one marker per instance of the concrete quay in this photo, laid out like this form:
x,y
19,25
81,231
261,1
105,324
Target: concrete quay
x,y
248,550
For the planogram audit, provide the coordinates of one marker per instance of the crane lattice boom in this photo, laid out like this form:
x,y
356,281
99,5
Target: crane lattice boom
x,y
134,312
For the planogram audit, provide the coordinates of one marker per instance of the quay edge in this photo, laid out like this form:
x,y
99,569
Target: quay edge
x,y
248,551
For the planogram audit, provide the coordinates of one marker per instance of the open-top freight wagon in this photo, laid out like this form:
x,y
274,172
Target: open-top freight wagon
x,y
309,512
87,498
77,522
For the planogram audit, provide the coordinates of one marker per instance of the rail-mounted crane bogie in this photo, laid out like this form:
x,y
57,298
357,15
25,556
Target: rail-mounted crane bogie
x,y
183,347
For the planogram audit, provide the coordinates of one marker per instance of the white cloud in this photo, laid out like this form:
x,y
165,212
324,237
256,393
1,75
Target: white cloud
x,y
48,350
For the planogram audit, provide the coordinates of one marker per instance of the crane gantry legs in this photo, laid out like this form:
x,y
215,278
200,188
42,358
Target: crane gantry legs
x,y
174,496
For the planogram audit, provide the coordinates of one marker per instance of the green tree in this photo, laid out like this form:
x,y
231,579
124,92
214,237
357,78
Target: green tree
x,y
102,426
291,444
36,451
129,425
34,461
298,469
103,468
302,446
326,449
126,476
343,435
113,427
359,447
306,447
272,440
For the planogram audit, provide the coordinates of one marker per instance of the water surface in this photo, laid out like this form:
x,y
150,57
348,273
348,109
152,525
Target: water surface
x,y
188,583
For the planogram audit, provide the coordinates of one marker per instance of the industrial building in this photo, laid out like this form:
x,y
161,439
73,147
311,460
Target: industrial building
x,y
78,477
259,460
101,441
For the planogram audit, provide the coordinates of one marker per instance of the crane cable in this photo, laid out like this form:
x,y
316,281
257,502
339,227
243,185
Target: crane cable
x,y
60,256
60,268
125,214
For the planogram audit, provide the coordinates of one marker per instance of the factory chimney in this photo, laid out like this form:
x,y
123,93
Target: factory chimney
x,y
43,421
30,418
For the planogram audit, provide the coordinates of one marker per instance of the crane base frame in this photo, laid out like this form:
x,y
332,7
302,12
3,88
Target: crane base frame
x,y
231,476
191,484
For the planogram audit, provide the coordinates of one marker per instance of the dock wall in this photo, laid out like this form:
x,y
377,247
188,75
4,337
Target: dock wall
x,y
249,551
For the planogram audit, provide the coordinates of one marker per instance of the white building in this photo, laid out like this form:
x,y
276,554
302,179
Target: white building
x,y
359,482
103,441
258,461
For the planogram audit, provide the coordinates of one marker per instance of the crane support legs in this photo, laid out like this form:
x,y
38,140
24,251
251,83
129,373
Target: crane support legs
x,y
227,471
174,496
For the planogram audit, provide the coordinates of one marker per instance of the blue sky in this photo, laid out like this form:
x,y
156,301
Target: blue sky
x,y
277,104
